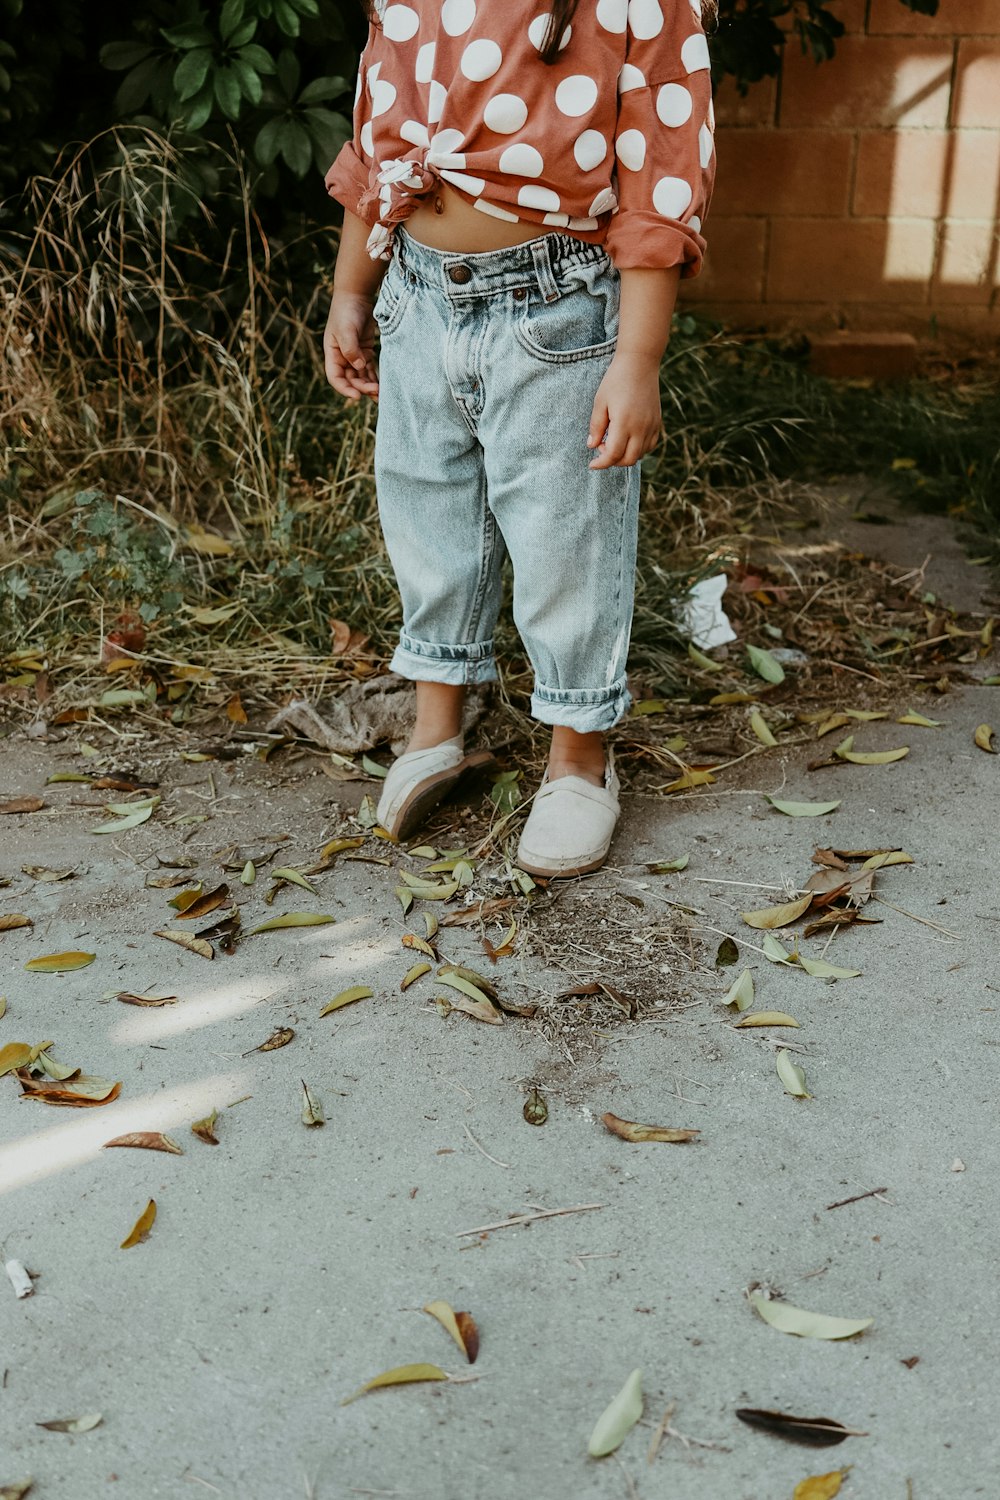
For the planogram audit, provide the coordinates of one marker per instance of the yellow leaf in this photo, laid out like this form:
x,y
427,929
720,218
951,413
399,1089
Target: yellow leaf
x,y
820,1486
445,1315
235,712
293,919
778,916
984,738
400,1375
337,846
206,542
59,963
791,1075
767,1018
14,1055
805,1325
690,778
140,1229
13,920
920,721
874,757
205,616
348,997
802,809
412,975
893,857
762,729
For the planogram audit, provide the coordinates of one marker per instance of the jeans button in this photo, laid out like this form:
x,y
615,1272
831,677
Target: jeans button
x,y
519,294
460,274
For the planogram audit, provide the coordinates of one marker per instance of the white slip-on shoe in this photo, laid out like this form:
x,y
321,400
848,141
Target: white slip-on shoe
x,y
570,826
417,781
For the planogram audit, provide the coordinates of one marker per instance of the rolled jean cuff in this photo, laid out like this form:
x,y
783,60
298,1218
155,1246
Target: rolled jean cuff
x,y
429,661
587,710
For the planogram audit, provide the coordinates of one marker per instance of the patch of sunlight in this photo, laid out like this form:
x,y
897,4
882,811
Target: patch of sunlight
x,y
203,1008
80,1138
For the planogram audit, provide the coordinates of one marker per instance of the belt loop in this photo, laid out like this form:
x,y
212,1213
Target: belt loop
x,y
540,254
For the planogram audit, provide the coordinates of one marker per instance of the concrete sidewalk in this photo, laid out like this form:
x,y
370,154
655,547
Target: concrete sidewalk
x,y
287,1266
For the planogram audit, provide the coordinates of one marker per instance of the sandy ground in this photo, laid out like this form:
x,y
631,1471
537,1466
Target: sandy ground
x,y
288,1265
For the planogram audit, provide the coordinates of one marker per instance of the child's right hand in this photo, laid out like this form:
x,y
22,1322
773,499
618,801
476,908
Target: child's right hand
x,y
349,346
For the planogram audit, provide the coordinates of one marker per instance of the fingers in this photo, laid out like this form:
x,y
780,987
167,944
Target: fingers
x,y
623,446
598,422
352,378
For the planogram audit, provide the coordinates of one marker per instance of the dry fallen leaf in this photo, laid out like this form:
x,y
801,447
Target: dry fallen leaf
x,y
400,1375
806,1325
18,1490
22,805
187,940
480,1010
204,1129
293,919
740,992
535,1111
820,1486
629,1130
984,737
410,940
13,920
460,1325
413,974
762,729
691,777
791,1075
803,809
59,963
813,1432
279,1038
766,1018
312,1108
820,969
147,1140
15,1055
778,916
348,997
140,1229
81,1091
617,1420
73,1424
201,905
873,757
128,998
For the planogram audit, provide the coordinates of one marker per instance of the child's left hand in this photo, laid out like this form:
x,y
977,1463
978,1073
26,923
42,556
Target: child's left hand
x,y
626,422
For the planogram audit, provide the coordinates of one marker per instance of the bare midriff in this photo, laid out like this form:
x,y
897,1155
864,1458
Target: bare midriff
x,y
447,221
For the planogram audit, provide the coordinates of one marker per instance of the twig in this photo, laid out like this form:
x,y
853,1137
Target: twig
x,y
926,921
871,1193
193,1479
633,1493
483,1149
543,1213
660,1433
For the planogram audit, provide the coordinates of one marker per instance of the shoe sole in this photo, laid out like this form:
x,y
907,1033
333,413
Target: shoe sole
x,y
433,789
552,873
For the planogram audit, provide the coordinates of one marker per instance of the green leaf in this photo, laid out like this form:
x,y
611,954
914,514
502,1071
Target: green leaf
x,y
704,662
228,91
231,16
191,34
765,665
249,80
669,866
268,141
200,108
122,824
323,89
296,147
775,951
119,56
805,1325
617,1420
802,809
243,35
191,72
293,919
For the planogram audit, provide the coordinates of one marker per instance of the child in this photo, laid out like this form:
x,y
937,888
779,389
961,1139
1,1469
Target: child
x,y
536,184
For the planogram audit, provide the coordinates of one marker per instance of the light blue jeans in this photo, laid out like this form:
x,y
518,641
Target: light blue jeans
x,y
489,366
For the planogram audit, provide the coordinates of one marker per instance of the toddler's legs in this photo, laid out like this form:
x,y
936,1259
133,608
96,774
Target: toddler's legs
x,y
439,714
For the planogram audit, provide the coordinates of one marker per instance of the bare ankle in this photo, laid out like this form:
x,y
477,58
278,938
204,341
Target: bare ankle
x,y
574,754
439,714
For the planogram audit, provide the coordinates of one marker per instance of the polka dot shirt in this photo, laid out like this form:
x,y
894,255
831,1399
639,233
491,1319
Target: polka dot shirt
x,y
613,142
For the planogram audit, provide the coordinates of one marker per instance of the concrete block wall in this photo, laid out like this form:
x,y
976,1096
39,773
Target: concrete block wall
x,y
865,192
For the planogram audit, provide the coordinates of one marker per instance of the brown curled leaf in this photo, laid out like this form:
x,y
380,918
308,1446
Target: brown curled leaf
x,y
201,905
814,1432
629,1130
205,1129
147,1140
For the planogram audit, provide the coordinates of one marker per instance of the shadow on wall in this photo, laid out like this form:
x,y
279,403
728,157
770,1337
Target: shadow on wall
x,y
865,191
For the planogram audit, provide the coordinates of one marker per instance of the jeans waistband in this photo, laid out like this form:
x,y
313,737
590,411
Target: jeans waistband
x,y
545,262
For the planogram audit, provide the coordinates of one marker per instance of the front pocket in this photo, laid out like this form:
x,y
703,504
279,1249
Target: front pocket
x,y
580,324
390,304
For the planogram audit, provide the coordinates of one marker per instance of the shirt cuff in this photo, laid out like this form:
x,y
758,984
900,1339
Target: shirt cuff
x,y
645,240
348,180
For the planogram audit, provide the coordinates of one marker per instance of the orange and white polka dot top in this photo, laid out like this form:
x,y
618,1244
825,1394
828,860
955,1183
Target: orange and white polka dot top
x,y
612,142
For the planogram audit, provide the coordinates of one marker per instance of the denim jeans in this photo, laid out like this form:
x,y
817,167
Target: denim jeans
x,y
489,366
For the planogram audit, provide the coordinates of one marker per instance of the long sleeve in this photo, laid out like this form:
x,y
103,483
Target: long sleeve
x,y
664,145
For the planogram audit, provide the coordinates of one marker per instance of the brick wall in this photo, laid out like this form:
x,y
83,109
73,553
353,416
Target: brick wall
x,y
865,192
